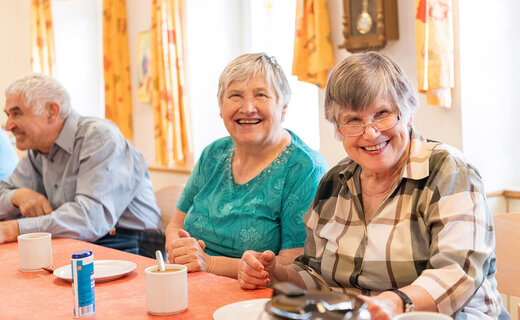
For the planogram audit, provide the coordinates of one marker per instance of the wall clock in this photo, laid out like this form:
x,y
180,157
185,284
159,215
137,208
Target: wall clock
x,y
368,24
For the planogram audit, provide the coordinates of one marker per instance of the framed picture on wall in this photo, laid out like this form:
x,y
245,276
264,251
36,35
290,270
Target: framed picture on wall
x,y
144,77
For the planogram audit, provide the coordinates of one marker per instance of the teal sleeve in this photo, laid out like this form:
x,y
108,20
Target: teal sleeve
x,y
300,189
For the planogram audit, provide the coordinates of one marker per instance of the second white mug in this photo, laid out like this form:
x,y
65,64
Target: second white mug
x,y
34,251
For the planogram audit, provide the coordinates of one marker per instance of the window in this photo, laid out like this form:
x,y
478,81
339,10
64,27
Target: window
x,y
217,32
272,32
78,39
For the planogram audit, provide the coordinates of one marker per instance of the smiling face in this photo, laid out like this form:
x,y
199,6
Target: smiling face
x,y
377,152
30,130
251,112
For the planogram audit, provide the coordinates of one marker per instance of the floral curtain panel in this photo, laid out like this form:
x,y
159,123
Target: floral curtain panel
x,y
435,57
42,37
118,99
313,54
172,143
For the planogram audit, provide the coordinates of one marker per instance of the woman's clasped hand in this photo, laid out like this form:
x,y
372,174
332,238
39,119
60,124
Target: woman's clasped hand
x,y
189,252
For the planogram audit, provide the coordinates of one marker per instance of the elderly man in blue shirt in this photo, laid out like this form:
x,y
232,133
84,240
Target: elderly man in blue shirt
x,y
80,177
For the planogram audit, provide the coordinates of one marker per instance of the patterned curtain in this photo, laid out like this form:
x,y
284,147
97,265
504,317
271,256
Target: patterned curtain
x,y
313,54
172,142
118,101
42,37
435,59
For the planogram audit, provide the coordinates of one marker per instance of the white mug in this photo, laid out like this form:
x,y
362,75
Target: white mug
x,y
422,315
167,292
34,251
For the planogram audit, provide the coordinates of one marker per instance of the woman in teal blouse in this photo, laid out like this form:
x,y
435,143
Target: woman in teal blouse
x,y
250,190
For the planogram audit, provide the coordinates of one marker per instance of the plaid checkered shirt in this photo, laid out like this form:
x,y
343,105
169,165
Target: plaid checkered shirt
x,y
433,230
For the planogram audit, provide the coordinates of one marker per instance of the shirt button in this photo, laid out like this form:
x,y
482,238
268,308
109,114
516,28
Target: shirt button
x,y
55,186
52,160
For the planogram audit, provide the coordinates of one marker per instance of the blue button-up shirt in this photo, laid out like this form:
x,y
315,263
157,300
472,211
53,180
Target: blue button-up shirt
x,y
94,180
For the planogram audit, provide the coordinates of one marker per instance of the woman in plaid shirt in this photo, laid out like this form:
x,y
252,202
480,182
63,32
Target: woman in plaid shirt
x,y
402,221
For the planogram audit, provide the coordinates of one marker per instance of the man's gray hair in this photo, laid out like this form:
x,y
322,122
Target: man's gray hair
x,y
247,66
38,90
357,81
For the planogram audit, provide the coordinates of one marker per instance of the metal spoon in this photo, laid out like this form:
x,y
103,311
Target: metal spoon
x,y
48,269
160,261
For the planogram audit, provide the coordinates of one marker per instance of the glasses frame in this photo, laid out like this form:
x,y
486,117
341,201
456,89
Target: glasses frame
x,y
372,124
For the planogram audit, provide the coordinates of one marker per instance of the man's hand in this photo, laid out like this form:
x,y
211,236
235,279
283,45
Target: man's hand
x,y
9,231
31,203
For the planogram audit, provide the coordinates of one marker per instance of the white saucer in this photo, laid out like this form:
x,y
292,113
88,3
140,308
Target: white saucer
x,y
104,270
249,309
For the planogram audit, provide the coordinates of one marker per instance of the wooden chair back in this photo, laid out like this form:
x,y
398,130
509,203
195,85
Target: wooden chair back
x,y
167,198
507,234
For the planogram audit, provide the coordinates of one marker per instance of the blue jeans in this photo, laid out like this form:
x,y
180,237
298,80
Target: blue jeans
x,y
138,242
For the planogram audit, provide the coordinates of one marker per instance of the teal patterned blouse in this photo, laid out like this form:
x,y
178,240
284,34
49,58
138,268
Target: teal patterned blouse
x,y
264,213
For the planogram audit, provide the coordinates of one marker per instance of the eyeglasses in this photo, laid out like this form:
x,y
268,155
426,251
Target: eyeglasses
x,y
386,123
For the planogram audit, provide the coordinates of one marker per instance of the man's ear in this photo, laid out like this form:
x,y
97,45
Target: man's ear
x,y
53,111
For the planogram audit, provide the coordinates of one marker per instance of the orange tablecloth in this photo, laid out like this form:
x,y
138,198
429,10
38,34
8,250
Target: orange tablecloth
x,y
40,295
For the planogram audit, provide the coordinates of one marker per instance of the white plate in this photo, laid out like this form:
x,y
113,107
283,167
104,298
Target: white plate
x,y
104,270
249,309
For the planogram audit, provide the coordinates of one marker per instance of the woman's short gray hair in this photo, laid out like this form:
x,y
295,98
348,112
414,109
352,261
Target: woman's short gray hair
x,y
356,82
38,90
247,66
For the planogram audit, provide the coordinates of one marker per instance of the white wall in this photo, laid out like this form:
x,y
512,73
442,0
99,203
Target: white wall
x,y
15,52
139,18
490,78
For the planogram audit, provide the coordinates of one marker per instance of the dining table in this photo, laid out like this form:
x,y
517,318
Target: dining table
x,y
42,295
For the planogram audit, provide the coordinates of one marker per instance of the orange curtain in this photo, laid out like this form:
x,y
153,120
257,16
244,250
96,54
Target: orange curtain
x,y
313,54
118,98
172,142
434,44
42,37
